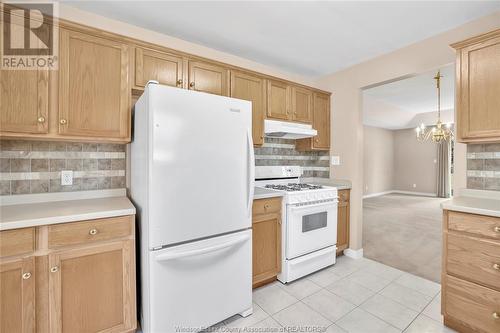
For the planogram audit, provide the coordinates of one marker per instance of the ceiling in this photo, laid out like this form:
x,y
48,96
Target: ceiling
x,y
310,38
407,102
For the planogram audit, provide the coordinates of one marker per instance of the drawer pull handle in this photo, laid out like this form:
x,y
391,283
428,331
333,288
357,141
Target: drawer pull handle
x,y
41,119
63,121
26,276
54,269
496,266
93,232
495,315
497,229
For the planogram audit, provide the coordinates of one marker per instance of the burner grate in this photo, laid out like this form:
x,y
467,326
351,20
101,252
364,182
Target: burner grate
x,y
293,187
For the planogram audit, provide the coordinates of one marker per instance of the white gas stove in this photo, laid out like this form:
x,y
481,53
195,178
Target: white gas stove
x,y
310,220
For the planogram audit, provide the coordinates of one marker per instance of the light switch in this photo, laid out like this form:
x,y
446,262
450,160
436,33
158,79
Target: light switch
x,y
66,177
335,160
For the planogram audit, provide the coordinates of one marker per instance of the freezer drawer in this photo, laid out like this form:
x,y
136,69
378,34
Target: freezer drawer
x,y
199,284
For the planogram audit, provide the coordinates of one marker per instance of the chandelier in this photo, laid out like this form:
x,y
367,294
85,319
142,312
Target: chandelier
x,y
439,132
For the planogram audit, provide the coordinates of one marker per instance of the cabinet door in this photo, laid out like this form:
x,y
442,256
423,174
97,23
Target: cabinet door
x,y
24,100
266,233
162,67
17,295
251,88
278,100
343,221
93,289
302,104
478,89
94,95
321,121
208,78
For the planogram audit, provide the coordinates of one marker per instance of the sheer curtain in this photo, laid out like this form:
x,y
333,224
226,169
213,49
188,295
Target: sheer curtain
x,y
443,169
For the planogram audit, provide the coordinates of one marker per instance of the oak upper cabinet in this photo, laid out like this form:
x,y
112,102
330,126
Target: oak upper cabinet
x,y
92,289
478,88
94,95
251,88
266,240
163,67
17,295
321,123
24,100
343,221
278,100
208,77
302,104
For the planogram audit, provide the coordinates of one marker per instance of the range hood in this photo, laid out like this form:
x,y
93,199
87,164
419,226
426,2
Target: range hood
x,y
287,130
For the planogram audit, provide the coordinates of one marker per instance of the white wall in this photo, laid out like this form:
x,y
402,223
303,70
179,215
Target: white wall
x,y
346,104
378,161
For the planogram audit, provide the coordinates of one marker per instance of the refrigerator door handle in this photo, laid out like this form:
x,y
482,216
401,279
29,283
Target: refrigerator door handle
x,y
191,253
251,172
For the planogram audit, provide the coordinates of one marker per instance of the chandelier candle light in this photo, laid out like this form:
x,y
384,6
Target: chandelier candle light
x,y
439,132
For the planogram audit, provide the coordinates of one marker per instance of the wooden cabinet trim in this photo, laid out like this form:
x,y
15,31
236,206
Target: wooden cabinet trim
x,y
17,242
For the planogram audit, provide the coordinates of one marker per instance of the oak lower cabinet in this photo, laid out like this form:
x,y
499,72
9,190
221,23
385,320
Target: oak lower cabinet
x,y
94,95
78,277
266,235
163,67
17,295
478,88
343,220
208,77
470,294
251,88
321,123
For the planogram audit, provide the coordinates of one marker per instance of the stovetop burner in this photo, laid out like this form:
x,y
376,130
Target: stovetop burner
x,y
292,187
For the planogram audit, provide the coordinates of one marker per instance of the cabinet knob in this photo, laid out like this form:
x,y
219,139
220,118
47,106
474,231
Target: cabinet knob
x,y
26,276
179,82
495,315
191,84
496,266
63,121
266,206
93,232
41,119
54,269
316,140
497,229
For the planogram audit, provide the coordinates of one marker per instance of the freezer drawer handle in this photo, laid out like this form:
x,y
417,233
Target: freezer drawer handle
x,y
179,255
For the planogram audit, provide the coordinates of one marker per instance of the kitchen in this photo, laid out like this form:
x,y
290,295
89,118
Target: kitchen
x,y
83,145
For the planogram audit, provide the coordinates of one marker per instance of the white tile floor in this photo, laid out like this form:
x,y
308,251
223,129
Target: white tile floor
x,y
356,296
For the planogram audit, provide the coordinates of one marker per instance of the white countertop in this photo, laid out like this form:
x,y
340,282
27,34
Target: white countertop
x,y
340,184
475,202
30,211
262,193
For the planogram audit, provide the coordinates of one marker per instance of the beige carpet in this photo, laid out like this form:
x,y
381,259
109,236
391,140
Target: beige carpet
x,y
404,232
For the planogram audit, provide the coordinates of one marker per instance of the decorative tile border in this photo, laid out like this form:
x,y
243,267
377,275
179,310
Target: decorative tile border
x,y
282,152
483,166
35,166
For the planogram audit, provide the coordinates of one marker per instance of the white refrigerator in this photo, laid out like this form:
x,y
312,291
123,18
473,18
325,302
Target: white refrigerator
x,y
192,181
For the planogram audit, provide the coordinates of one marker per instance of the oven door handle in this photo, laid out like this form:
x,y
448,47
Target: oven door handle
x,y
321,204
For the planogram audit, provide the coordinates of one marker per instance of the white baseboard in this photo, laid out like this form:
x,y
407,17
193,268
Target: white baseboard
x,y
354,254
424,194
378,194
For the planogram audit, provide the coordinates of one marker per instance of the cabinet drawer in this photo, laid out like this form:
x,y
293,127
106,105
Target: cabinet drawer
x,y
17,241
486,226
344,195
266,206
474,259
90,231
472,304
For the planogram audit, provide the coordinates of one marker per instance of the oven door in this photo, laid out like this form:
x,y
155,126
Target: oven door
x,y
310,227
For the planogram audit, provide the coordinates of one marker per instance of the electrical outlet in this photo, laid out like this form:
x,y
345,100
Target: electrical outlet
x,y
66,177
414,185
335,160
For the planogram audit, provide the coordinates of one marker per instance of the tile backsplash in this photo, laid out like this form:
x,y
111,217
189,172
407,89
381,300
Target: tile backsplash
x,y
34,166
283,152
483,166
